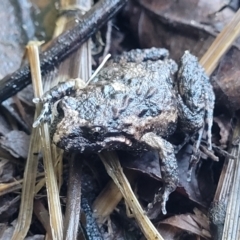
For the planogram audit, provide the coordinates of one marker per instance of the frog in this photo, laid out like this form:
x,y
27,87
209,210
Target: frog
x,y
135,103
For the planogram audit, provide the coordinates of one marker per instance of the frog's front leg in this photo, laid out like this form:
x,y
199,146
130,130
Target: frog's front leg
x,y
56,93
169,168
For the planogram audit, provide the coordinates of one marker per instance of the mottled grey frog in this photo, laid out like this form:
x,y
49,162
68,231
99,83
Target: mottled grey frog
x,y
135,103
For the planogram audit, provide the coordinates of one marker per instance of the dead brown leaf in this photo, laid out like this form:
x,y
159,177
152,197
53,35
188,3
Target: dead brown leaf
x,y
13,37
4,126
225,80
19,111
7,171
197,223
147,162
179,25
6,232
189,25
192,188
8,207
169,232
16,142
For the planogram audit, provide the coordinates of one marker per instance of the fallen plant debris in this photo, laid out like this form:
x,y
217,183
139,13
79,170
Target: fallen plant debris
x,y
60,48
196,223
16,149
105,214
189,25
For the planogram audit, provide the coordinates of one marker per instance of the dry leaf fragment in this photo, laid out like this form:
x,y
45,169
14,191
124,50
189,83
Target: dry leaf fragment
x,y
147,163
16,142
197,223
7,171
4,126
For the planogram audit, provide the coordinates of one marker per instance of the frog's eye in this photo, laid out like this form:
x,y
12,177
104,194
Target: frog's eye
x,y
58,107
97,131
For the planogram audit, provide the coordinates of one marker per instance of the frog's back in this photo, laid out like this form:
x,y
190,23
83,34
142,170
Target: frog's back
x,y
130,95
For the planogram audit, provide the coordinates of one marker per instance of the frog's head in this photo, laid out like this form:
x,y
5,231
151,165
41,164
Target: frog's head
x,y
73,131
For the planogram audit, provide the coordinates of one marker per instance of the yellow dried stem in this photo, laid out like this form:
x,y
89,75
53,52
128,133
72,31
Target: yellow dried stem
x,y
114,169
10,187
29,180
15,186
68,5
106,202
230,176
231,184
221,44
55,212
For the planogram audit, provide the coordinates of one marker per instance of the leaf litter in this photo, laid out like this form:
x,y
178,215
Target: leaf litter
x,y
162,24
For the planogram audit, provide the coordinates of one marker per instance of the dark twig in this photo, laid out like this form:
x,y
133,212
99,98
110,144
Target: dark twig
x,y
72,214
60,48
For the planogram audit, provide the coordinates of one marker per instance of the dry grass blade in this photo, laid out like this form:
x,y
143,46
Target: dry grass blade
x,y
10,187
29,180
106,202
56,221
13,186
231,167
54,205
221,44
114,169
232,223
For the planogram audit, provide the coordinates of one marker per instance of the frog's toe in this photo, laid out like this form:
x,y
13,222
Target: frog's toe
x,y
164,200
36,100
162,197
166,191
44,115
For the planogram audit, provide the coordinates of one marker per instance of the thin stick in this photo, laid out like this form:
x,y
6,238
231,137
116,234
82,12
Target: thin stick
x,y
73,205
